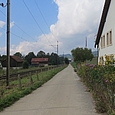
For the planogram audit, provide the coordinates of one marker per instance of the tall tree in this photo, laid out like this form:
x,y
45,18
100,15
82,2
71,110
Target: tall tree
x,y
41,54
29,57
66,60
18,54
82,54
54,59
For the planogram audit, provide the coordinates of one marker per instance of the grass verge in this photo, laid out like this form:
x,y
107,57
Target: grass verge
x,y
9,95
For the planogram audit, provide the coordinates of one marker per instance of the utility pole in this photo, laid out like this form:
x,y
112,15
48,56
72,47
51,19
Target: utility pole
x,y
86,42
57,53
57,47
8,43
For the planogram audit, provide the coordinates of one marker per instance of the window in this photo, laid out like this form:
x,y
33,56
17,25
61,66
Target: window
x,y
109,38
103,41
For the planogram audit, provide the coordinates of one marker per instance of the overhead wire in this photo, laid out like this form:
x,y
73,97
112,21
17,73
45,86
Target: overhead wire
x,y
35,21
19,28
44,19
15,35
41,14
33,16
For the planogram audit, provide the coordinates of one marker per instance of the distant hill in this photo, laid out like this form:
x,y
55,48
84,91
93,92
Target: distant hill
x,y
69,56
94,53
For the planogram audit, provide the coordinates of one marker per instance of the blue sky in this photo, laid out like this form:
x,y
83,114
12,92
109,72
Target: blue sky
x,y
38,24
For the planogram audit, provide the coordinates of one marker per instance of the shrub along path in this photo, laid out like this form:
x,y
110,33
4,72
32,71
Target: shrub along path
x,y
64,94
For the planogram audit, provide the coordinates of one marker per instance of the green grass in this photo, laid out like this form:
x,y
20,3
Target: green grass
x,y
73,64
12,93
93,61
3,72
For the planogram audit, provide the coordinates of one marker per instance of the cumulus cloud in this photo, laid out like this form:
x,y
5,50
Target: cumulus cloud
x,y
12,24
26,47
76,20
76,16
0,34
2,24
2,50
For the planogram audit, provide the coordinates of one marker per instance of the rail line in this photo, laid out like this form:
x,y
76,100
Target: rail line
x,y
22,74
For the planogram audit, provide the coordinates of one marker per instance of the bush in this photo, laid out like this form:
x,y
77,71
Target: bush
x,y
101,81
25,65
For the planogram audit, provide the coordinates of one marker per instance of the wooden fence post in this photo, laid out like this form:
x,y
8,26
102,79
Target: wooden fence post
x,y
41,69
19,82
31,80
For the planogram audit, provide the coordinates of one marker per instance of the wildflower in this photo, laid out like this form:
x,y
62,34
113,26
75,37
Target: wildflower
x,y
106,80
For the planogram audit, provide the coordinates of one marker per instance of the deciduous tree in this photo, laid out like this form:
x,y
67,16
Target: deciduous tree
x,y
82,54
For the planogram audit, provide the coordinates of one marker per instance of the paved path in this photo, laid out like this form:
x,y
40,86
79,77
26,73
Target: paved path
x,y
62,95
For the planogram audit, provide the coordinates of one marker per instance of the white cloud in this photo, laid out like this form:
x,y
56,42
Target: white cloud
x,y
76,16
2,50
12,24
0,34
2,24
26,47
76,20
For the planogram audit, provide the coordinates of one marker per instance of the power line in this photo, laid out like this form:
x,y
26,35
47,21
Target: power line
x,y
2,13
15,35
41,13
25,32
43,17
44,20
33,16
35,20
19,28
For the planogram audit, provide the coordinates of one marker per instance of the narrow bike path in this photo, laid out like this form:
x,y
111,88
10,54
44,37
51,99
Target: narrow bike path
x,y
62,95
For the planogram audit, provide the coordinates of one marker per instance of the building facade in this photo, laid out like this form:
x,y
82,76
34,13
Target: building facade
x,y
105,41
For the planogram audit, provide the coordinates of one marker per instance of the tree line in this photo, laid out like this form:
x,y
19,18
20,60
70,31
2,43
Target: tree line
x,y
53,58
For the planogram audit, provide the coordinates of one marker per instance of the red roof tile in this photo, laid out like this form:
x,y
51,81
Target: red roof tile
x,y
39,60
17,58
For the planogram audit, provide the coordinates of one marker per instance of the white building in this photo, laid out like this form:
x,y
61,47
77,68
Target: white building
x,y
105,41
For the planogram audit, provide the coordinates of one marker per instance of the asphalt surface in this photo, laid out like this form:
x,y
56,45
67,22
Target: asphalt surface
x,y
64,94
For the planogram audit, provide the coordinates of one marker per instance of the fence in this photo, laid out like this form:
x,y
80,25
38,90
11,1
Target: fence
x,y
22,74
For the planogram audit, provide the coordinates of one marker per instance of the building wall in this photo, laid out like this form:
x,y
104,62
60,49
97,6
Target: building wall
x,y
109,26
13,63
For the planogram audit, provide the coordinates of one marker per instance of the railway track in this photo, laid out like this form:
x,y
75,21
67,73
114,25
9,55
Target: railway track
x,y
22,74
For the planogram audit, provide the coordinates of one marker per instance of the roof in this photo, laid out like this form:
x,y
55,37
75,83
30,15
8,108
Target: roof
x,y
103,20
17,58
39,60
